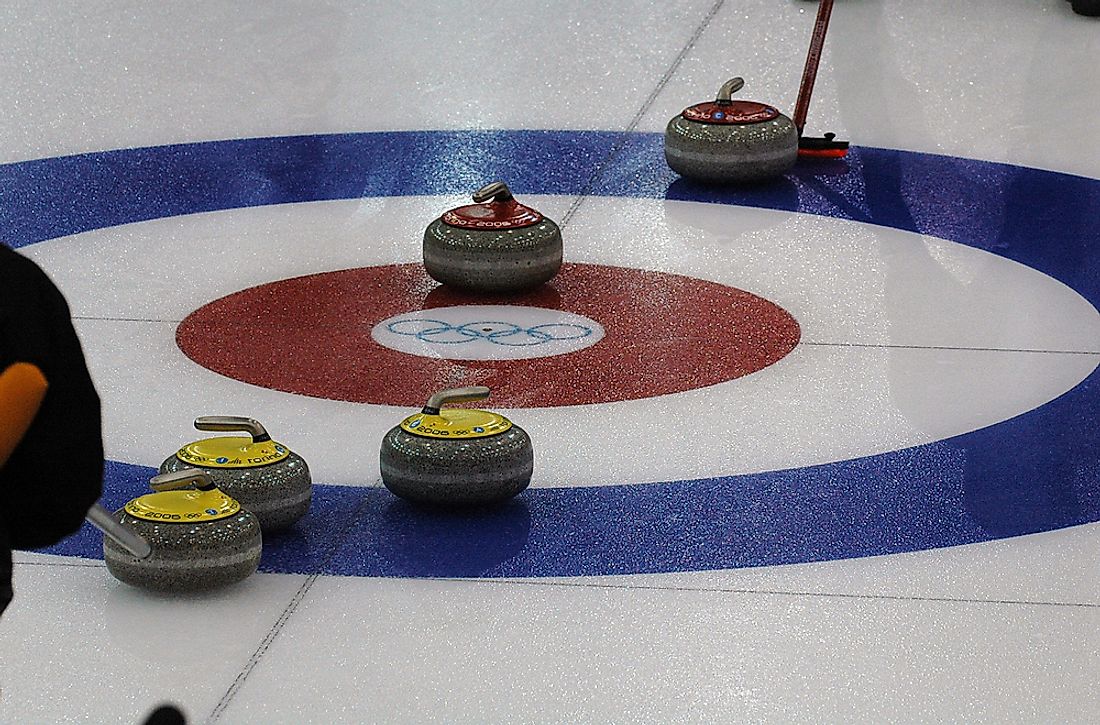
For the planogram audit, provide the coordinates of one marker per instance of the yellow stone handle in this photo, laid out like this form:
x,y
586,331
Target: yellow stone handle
x,y
187,478
233,424
132,541
455,395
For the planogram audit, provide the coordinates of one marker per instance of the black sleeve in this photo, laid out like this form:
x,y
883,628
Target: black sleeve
x,y
56,472
21,309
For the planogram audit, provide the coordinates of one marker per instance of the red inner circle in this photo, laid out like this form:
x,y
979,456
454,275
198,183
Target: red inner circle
x,y
664,333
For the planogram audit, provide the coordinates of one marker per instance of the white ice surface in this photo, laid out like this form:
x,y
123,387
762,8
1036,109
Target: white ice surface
x,y
1004,80
871,302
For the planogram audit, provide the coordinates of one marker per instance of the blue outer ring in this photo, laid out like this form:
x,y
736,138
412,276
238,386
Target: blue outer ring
x,y
1035,472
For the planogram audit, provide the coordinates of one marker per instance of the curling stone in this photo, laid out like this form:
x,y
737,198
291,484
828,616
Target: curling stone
x,y
456,457
199,538
496,245
728,141
267,478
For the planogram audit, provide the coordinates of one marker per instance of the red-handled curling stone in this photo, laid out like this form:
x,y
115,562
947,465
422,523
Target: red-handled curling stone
x,y
730,141
495,245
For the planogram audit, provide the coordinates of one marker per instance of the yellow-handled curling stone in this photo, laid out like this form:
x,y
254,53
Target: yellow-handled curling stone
x,y
458,456
199,538
267,478
495,245
728,141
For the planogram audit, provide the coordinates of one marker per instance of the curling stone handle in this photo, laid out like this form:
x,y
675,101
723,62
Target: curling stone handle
x,y
187,478
455,395
103,520
725,93
497,192
233,423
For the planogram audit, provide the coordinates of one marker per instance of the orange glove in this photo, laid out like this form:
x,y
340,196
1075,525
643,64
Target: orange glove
x,y
22,387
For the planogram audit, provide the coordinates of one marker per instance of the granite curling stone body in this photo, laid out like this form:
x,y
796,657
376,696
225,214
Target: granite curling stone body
x,y
496,246
728,141
198,537
267,478
456,457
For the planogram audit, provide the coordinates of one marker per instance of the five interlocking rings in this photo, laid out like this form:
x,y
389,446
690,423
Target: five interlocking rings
x,y
508,334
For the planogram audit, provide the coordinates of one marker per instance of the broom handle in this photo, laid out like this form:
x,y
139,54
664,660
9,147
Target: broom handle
x,y
813,59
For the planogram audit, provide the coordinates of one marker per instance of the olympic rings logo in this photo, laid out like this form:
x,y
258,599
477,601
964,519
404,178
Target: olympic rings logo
x,y
507,334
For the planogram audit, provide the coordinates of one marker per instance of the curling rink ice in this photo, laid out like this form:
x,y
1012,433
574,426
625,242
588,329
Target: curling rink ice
x,y
824,449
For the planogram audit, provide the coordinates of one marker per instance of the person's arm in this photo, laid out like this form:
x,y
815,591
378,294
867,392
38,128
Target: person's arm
x,y
56,471
22,388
